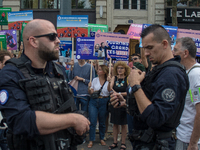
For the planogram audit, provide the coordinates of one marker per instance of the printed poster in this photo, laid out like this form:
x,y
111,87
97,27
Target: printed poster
x,y
65,51
172,30
4,15
92,28
15,19
114,45
85,48
3,45
22,30
134,31
11,38
194,34
72,25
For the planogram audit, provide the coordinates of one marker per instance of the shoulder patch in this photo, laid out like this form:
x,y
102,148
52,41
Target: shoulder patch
x,y
3,97
168,95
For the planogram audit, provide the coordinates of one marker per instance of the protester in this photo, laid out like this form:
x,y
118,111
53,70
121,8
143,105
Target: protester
x,y
34,94
98,106
4,56
118,115
158,99
188,131
136,61
80,71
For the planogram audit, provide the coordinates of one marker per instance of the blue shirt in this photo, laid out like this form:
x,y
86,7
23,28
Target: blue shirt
x,y
83,72
172,80
19,116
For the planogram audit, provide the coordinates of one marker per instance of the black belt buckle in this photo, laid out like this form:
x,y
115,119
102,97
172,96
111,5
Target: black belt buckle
x,y
63,144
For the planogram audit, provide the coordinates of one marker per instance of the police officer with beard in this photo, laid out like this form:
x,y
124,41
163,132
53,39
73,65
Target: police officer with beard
x,y
157,99
35,98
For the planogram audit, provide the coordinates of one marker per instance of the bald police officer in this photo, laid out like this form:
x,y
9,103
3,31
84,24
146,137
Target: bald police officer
x,y
35,98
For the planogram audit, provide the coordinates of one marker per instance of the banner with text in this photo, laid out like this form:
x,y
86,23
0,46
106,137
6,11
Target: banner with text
x,y
11,38
111,45
92,28
72,25
85,48
16,18
134,31
4,15
170,29
3,45
65,51
194,34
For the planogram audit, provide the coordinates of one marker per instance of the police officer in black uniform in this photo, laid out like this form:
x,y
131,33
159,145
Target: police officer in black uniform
x,y
35,98
157,99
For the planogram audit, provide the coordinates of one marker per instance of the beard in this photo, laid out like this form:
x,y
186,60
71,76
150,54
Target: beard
x,y
47,54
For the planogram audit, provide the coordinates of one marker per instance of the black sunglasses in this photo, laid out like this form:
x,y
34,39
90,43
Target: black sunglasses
x,y
51,36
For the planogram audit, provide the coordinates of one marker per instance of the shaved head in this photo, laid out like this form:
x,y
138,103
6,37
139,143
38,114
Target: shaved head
x,y
41,43
35,27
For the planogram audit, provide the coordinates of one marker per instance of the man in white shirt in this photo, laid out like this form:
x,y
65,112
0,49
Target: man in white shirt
x,y
188,132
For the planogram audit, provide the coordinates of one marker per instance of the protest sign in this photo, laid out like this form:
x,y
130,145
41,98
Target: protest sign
x,y
194,34
92,28
11,38
172,33
22,30
85,48
134,31
65,51
112,45
4,15
15,19
72,25
3,45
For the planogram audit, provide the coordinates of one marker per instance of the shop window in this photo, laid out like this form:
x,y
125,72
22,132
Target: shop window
x,y
40,4
134,4
125,4
143,4
83,4
130,4
194,3
185,3
117,4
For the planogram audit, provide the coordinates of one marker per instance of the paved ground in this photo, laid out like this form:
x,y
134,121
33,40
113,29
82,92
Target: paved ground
x,y
109,141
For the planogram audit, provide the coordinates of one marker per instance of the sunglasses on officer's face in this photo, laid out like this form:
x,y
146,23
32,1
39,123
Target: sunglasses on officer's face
x,y
51,36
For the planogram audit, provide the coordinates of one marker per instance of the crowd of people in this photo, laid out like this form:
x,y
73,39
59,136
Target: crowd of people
x,y
153,99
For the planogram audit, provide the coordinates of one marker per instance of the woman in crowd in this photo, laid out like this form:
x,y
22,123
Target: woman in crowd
x,y
118,115
98,107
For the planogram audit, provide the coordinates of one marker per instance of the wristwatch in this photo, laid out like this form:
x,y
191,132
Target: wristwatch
x,y
134,89
84,80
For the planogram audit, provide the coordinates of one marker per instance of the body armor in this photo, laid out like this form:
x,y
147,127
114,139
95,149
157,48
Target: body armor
x,y
146,87
46,94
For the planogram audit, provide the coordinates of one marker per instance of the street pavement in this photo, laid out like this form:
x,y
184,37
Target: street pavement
x,y
109,141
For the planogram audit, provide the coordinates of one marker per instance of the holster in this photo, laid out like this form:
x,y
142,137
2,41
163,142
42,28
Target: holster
x,y
161,145
20,141
75,138
142,135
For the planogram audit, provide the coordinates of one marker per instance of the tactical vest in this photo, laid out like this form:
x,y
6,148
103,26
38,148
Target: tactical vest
x,y
46,94
132,108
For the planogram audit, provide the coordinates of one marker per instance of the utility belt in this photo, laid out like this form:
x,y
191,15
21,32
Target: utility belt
x,y
44,142
150,136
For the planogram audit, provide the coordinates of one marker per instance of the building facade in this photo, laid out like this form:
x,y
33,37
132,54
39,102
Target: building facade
x,y
117,14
